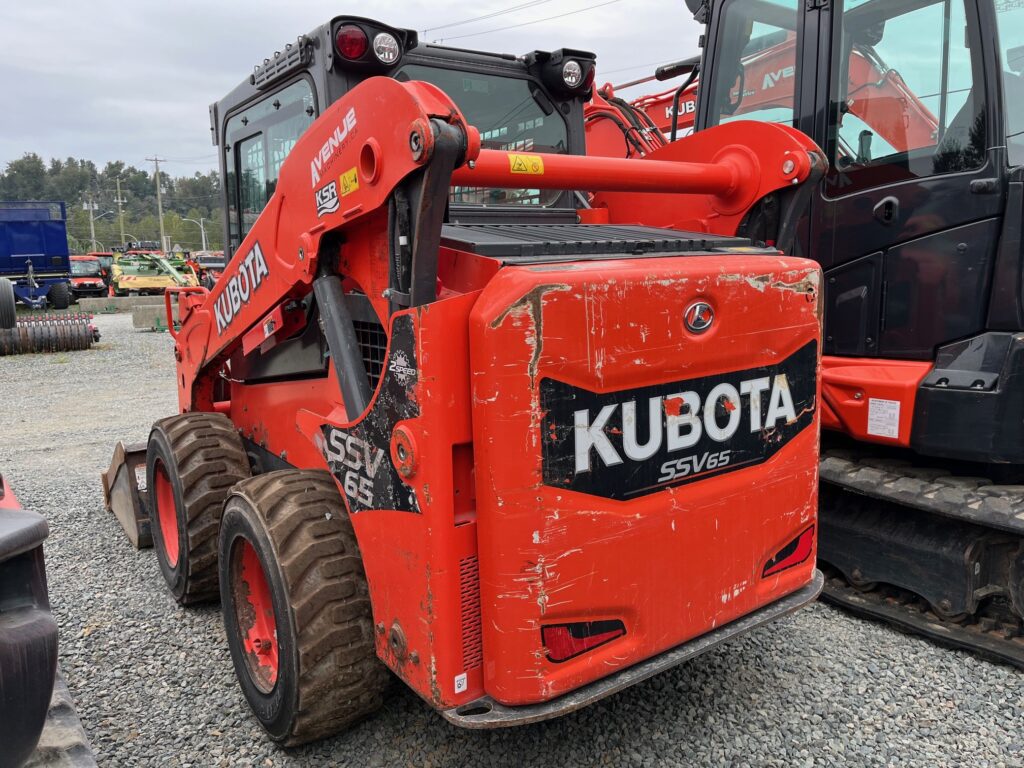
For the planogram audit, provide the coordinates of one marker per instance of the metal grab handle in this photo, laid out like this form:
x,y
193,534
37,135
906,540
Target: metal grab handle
x,y
888,211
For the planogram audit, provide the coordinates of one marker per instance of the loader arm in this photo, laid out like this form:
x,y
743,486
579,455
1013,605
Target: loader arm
x,y
279,258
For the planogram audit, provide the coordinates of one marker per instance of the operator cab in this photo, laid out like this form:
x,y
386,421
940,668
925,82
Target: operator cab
x,y
919,106
531,103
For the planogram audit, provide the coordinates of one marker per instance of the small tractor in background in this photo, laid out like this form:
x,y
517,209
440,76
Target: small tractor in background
x,y
207,266
920,108
446,416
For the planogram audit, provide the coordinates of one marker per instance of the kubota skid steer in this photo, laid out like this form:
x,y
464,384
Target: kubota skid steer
x,y
522,462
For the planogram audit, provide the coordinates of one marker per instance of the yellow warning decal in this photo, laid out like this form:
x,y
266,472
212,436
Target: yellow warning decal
x,y
527,165
349,182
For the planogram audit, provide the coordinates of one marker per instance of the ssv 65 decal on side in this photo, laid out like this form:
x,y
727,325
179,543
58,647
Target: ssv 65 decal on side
x,y
358,455
626,444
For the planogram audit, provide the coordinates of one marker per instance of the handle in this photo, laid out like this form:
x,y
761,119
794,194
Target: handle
x,y
175,292
888,211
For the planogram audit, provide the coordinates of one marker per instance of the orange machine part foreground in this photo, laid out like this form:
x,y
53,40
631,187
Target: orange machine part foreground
x,y
582,448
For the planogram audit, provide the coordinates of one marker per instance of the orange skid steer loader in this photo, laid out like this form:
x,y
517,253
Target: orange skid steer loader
x,y
523,456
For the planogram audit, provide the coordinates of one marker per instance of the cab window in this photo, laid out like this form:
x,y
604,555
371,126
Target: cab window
x,y
257,141
1010,18
755,72
907,97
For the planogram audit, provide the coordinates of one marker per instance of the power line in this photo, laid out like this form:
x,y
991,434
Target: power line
x,y
635,66
536,21
209,161
486,16
191,157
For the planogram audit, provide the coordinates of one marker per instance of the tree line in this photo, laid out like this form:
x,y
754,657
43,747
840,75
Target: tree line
x,y
79,183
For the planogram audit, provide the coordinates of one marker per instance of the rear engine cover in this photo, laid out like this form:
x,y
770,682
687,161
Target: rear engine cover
x,y
646,437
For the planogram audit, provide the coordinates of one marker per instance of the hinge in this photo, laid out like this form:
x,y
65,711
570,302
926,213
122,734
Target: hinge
x,y
816,4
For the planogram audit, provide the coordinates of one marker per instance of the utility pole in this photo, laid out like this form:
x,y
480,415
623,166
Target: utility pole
x,y
90,206
120,208
159,201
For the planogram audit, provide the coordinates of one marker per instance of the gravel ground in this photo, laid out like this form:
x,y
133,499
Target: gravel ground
x,y
155,687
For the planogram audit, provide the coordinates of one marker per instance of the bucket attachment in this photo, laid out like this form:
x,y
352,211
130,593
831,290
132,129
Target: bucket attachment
x,y
124,492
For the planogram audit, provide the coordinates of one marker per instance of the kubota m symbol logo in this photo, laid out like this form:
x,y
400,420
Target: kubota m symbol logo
x,y
699,317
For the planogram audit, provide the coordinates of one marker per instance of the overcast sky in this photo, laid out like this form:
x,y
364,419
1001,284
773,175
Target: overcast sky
x,y
108,80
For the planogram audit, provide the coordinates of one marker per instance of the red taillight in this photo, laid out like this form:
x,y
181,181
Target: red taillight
x,y
794,553
352,42
565,641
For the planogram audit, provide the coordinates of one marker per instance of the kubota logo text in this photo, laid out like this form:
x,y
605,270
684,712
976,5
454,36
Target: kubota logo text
x,y
626,444
240,287
681,421
334,142
685,108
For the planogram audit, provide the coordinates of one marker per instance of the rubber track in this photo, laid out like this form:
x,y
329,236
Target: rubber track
x,y
972,499
340,678
63,743
210,459
992,634
996,632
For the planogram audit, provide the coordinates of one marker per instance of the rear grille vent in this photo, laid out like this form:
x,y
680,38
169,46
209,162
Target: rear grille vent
x,y
373,344
469,587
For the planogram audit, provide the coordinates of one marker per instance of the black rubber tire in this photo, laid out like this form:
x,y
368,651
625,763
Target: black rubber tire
x,y
59,296
329,676
204,458
8,308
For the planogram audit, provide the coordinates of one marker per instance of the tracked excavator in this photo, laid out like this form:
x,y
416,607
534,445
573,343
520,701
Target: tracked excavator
x,y
919,105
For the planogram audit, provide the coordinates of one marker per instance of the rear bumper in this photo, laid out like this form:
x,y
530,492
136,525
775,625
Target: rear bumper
x,y
485,712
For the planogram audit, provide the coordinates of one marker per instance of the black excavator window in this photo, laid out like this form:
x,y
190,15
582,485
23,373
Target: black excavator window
x,y
756,72
1010,17
907,96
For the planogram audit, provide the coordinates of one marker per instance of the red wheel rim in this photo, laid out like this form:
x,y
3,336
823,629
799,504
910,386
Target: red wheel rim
x,y
254,612
167,515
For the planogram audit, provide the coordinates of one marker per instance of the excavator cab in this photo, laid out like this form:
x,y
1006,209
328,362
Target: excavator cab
x,y
917,228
